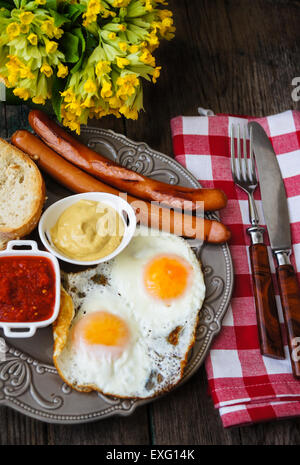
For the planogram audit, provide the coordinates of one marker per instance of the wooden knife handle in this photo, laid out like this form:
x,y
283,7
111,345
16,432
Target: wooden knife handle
x,y
290,300
266,310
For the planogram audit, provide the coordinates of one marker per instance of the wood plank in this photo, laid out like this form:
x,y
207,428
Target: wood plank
x,y
3,131
187,417
132,430
237,57
17,429
16,118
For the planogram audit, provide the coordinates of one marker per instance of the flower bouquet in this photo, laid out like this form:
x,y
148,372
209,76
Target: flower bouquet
x,y
88,57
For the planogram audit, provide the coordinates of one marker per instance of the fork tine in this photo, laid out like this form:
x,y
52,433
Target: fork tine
x,y
232,151
245,153
239,153
252,164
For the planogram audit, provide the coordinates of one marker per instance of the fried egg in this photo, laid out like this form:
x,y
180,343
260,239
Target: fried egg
x,y
161,278
125,327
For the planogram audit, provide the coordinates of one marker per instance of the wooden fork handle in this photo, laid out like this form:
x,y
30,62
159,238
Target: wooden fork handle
x,y
266,310
290,300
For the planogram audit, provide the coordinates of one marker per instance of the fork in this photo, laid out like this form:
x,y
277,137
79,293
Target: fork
x,y
244,176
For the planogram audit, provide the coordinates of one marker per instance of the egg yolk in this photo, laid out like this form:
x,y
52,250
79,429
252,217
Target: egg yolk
x,y
166,277
103,331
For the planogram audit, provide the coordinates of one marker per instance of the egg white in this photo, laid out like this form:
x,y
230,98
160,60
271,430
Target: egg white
x,y
127,275
151,362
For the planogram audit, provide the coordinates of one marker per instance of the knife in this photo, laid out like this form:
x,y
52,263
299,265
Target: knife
x,y
276,215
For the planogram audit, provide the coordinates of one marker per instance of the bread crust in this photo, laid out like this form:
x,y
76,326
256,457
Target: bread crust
x,y
7,234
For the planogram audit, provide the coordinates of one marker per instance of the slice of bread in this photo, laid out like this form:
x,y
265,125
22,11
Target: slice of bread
x,y
22,193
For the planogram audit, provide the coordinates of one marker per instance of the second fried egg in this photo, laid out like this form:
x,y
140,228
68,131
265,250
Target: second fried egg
x,y
133,319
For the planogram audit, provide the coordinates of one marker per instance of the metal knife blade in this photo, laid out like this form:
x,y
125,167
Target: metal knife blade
x,y
278,224
272,189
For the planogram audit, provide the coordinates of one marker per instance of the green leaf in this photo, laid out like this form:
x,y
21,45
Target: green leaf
x,y
82,46
58,86
11,99
51,5
73,11
70,47
7,5
58,18
31,6
91,42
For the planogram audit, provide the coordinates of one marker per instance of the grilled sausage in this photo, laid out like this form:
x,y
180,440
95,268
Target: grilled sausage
x,y
120,177
148,214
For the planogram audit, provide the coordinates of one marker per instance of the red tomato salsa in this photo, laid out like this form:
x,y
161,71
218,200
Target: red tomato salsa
x,y
27,288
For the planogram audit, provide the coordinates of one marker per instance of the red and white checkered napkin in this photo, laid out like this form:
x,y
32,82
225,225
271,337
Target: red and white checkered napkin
x,y
245,386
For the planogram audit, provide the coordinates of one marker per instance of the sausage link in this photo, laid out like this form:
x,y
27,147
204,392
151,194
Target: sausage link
x,y
120,177
151,215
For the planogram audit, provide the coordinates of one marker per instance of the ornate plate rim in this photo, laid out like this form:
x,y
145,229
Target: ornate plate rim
x,y
125,408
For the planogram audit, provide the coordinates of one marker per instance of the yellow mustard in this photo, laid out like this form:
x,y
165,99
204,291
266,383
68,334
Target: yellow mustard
x,y
88,230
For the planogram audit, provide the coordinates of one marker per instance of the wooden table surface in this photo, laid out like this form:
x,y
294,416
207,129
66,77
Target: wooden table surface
x,y
236,56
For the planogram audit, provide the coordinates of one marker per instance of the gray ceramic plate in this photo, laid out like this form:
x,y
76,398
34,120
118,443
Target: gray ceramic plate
x,y
28,381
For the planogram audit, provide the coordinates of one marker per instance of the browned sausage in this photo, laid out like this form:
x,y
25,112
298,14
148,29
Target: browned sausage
x,y
148,214
118,176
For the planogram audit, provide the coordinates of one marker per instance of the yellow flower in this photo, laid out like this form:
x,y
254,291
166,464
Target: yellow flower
x,y
90,86
24,28
153,40
121,3
62,71
13,63
25,72
156,74
123,46
58,32
106,91
21,93
127,85
114,102
134,48
47,70
33,39
165,27
122,27
103,67
51,46
48,27
130,113
68,95
93,9
26,17
12,78
147,58
148,5
74,126
74,107
122,62
40,2
112,35
164,14
39,100
88,102
13,30
106,13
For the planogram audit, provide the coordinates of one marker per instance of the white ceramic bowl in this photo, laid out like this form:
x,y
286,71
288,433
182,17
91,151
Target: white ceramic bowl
x,y
28,329
51,215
